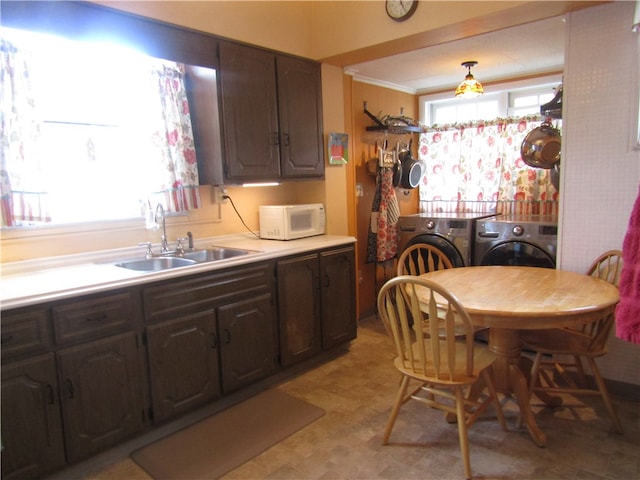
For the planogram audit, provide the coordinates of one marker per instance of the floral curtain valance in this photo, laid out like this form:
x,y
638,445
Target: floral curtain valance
x,y
173,136
477,167
23,192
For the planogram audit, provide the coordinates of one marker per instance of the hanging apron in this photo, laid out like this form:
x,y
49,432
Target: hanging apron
x,y
382,241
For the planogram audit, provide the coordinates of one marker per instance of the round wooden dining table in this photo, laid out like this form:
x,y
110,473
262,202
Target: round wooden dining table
x,y
508,299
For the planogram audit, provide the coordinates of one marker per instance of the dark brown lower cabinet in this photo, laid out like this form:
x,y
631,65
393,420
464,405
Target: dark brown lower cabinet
x,y
299,308
74,373
32,441
208,335
183,364
338,293
101,386
316,302
248,341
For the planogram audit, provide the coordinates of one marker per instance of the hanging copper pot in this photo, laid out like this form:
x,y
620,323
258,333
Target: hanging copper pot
x,y
541,147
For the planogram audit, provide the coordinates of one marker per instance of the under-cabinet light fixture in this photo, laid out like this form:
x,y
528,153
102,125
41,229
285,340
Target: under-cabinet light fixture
x,y
263,184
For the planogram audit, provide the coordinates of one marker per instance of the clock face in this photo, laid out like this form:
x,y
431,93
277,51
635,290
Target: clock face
x,y
400,10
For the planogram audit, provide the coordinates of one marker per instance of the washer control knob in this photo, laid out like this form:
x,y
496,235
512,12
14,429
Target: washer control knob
x,y
431,224
518,230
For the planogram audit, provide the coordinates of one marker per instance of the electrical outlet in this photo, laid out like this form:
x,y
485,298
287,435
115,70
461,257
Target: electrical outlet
x,y
219,195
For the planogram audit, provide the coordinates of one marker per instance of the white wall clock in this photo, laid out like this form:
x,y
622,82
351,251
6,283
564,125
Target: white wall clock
x,y
400,10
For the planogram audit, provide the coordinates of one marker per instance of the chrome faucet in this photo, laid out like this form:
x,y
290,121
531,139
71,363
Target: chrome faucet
x,y
164,246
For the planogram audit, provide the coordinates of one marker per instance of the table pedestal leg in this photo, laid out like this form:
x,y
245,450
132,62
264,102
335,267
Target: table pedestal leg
x,y
510,379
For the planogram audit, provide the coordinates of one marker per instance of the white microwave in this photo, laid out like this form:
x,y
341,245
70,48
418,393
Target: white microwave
x,y
288,222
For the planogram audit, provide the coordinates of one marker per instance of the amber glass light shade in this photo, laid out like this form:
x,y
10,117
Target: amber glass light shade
x,y
470,87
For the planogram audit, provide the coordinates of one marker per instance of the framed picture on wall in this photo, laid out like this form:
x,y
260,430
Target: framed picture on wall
x,y
338,148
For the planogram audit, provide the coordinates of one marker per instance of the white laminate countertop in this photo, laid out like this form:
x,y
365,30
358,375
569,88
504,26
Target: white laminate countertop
x,y
31,282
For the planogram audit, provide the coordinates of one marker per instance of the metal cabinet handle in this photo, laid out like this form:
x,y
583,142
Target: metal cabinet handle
x,y
227,336
70,389
99,318
285,139
50,394
214,341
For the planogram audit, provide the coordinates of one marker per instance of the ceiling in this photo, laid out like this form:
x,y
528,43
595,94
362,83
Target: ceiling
x,y
526,50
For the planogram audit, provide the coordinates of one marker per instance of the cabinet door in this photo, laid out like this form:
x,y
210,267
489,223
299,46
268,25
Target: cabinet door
x,y
337,280
32,442
300,110
248,341
101,389
249,112
183,360
299,308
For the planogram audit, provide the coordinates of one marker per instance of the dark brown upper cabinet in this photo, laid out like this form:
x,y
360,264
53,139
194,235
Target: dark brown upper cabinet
x,y
271,115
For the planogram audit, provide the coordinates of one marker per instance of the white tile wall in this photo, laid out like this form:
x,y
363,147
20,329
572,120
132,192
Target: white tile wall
x,y
600,170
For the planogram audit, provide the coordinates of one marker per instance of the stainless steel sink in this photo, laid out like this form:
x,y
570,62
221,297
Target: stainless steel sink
x,y
190,257
156,264
214,254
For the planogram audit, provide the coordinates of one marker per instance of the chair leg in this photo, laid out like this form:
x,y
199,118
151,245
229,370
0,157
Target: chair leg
x,y
582,378
462,432
535,372
494,396
538,374
605,394
402,391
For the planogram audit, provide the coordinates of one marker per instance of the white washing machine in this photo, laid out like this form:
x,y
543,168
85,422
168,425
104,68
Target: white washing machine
x,y
453,233
524,240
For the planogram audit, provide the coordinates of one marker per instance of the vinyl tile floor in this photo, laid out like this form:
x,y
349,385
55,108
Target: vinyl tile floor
x,y
357,389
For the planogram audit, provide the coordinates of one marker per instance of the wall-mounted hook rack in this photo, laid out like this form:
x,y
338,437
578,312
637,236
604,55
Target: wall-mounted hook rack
x,y
397,125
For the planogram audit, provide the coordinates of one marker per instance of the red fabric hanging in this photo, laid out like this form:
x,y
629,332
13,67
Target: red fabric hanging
x,y
628,310
387,233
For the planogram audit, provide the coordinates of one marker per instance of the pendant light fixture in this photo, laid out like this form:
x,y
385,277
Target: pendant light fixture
x,y
470,87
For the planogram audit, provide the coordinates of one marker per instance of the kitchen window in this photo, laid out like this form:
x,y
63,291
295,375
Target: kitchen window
x,y
456,111
95,132
471,151
515,102
528,102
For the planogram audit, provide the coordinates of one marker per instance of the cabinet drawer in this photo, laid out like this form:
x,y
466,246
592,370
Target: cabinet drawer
x,y
193,295
94,317
24,332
